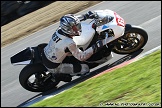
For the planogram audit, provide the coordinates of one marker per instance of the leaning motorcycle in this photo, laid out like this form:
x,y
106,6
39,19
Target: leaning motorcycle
x,y
127,39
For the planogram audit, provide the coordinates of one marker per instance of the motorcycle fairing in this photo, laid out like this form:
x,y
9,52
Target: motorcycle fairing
x,y
118,30
116,23
86,36
23,57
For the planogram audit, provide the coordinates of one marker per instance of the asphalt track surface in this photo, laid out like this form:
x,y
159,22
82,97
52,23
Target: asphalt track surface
x,y
146,14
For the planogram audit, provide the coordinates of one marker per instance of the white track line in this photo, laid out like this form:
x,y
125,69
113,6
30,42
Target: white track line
x,y
147,53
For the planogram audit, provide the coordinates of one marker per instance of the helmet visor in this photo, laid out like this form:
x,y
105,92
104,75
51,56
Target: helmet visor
x,y
77,29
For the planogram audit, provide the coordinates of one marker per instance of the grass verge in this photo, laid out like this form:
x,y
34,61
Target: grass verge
x,y
137,84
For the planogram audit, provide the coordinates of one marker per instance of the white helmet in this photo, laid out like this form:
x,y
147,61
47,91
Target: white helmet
x,y
71,25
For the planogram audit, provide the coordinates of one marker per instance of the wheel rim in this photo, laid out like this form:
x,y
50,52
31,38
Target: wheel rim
x,y
129,43
37,81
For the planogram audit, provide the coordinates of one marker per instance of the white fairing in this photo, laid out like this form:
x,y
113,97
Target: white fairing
x,y
117,24
86,36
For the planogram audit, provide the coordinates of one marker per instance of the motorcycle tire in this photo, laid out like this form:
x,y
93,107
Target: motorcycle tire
x,y
136,30
34,69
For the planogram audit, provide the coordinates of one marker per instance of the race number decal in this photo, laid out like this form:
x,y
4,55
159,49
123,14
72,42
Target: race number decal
x,y
55,38
120,21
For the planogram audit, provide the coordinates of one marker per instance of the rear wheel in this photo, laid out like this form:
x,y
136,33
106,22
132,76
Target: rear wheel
x,y
132,41
35,78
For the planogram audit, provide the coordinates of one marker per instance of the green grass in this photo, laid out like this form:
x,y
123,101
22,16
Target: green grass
x,y
138,82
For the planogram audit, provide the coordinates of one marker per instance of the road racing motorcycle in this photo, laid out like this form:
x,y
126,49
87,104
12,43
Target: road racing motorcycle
x,y
127,39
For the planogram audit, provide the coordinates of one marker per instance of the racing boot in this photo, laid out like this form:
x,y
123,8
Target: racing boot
x,y
72,69
62,77
83,72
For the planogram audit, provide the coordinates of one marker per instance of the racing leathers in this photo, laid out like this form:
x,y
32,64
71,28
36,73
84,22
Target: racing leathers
x,y
61,45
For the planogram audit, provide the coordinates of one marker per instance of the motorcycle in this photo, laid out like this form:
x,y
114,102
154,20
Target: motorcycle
x,y
127,39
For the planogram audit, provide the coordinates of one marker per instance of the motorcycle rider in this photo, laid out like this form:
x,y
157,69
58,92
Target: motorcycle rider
x,y
62,45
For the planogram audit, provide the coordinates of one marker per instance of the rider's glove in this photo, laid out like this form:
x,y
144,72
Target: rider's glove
x,y
90,14
97,46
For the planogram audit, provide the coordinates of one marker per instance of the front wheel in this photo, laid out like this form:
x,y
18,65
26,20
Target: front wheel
x,y
131,42
35,78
